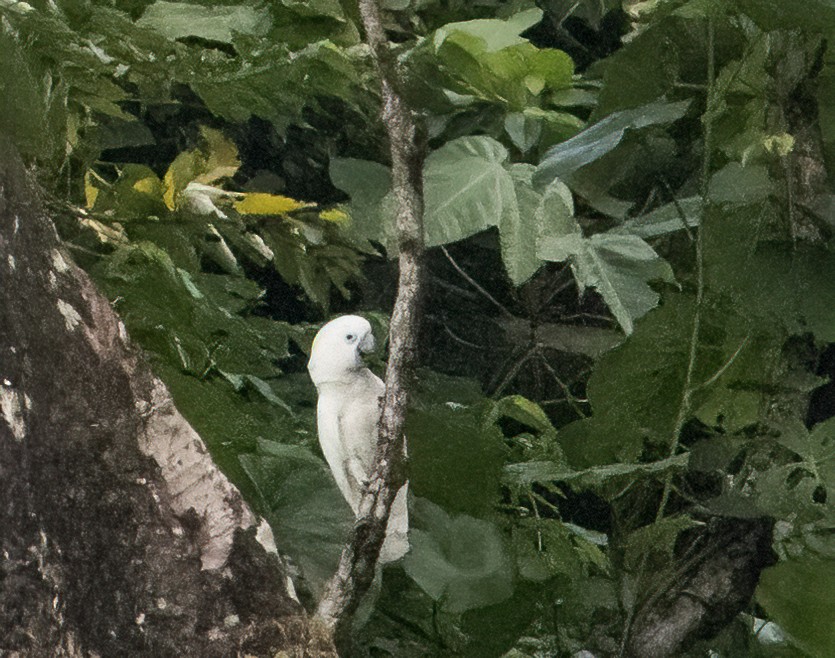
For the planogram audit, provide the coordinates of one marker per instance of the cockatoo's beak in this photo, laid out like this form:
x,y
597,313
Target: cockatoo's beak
x,y
367,344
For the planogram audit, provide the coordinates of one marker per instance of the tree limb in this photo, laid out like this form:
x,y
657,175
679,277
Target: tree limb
x,y
715,588
359,557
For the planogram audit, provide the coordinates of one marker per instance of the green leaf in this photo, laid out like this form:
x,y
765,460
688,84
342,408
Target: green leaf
x,y
308,516
636,389
800,596
736,397
454,458
460,561
523,411
618,266
527,473
137,193
667,219
25,101
372,203
524,130
544,549
738,184
467,189
532,216
494,34
596,141
176,20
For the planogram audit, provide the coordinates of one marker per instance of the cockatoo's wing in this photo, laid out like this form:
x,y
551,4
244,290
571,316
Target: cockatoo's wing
x,y
357,426
358,429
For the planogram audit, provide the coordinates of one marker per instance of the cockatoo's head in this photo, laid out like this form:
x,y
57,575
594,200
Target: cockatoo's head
x,y
336,350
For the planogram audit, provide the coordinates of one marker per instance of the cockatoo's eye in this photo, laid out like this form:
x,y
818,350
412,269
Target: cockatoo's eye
x,y
350,337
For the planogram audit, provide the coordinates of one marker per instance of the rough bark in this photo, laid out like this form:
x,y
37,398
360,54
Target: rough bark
x,y
709,593
119,536
359,558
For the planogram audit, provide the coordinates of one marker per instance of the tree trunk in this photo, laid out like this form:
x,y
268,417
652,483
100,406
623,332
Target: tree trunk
x,y
119,536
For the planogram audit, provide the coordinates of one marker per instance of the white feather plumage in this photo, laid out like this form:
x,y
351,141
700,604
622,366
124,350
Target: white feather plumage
x,y
347,415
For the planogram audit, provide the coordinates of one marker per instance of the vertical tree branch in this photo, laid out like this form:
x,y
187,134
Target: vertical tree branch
x,y
685,407
359,557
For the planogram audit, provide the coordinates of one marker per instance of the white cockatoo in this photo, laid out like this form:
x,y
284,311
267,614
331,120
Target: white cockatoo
x,y
350,398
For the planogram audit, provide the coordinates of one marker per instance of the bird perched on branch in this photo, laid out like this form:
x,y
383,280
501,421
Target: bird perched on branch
x,y
350,401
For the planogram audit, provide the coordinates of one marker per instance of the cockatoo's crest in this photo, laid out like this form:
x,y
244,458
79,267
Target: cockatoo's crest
x,y
335,354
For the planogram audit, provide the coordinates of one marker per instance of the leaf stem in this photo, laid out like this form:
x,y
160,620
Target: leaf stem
x,y
688,388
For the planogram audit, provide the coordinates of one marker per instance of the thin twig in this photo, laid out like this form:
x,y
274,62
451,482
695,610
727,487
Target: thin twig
x,y
476,285
462,341
727,365
559,289
588,316
679,210
571,10
652,193
687,388
511,375
569,396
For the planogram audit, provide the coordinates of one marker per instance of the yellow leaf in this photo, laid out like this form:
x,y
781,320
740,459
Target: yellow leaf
x,y
149,185
260,203
91,192
214,159
221,156
182,171
334,215
781,144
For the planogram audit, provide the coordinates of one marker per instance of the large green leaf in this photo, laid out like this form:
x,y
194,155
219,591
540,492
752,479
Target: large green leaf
x,y
460,561
636,390
617,266
454,460
596,141
737,184
532,217
800,596
176,20
309,517
26,102
467,189
494,34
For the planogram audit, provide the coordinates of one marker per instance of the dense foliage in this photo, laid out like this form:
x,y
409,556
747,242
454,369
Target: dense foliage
x,y
631,244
